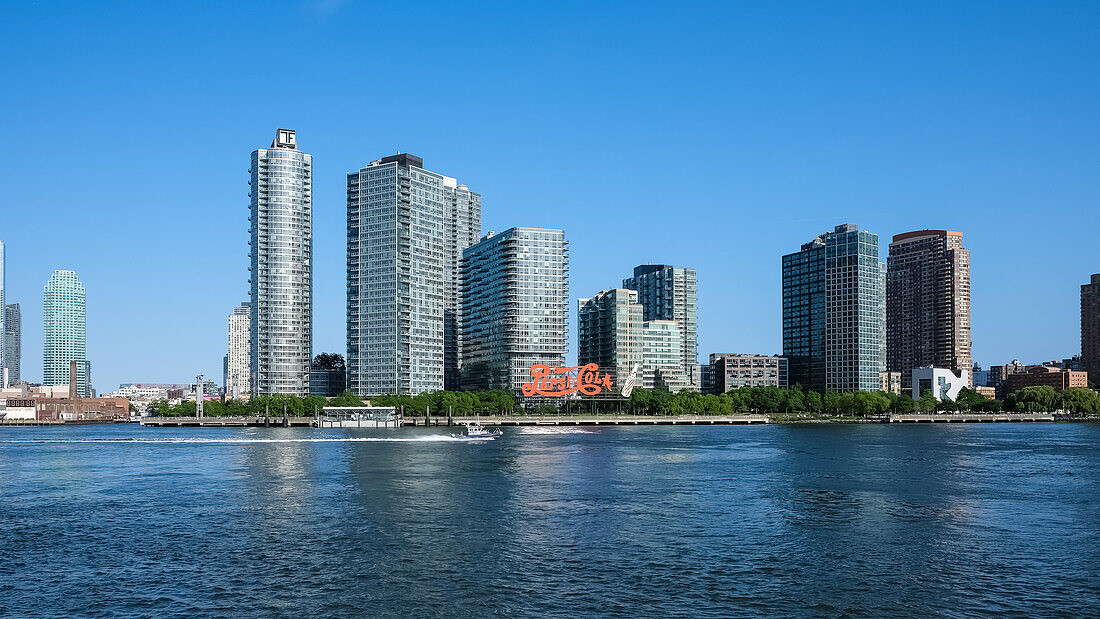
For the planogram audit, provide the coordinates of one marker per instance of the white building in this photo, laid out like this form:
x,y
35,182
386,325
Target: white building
x,y
942,383
236,359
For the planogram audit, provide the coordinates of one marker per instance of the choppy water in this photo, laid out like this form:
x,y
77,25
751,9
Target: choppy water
x,y
952,520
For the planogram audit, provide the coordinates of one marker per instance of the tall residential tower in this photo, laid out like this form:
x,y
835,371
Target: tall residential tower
x,y
461,229
670,293
64,330
1090,328
236,358
927,303
395,277
834,315
13,342
281,273
515,287
612,334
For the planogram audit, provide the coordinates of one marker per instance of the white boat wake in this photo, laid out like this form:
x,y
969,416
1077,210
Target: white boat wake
x,y
432,438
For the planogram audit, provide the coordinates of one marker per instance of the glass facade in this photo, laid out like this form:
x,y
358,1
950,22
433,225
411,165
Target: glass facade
x,y
514,307
281,272
670,293
612,334
834,312
64,330
462,228
13,342
395,277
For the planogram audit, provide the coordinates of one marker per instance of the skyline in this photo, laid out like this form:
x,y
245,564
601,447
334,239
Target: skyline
x,y
992,134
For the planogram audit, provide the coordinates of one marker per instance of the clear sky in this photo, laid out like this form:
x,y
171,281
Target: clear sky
x,y
718,136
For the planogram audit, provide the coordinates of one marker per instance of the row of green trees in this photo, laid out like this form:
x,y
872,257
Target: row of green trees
x,y
774,400
764,400
437,403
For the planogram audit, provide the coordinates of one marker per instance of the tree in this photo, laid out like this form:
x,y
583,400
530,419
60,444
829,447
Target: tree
x,y
347,398
905,405
328,361
927,402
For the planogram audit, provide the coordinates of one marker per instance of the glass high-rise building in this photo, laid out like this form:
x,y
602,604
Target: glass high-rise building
x,y
13,342
462,228
834,312
64,329
612,334
236,358
927,303
281,271
395,277
670,293
515,288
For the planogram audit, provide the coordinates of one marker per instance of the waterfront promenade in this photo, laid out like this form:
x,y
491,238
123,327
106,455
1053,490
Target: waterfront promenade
x,y
437,421
578,420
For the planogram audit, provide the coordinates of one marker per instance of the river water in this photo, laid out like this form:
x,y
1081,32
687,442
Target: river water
x,y
823,520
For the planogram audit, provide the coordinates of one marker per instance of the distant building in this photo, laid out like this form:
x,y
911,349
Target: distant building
x,y
1074,363
1041,375
328,375
237,358
671,293
834,315
281,278
706,379
890,382
65,332
396,277
988,392
1090,327
927,302
944,384
998,375
515,287
733,370
462,228
210,390
981,377
13,342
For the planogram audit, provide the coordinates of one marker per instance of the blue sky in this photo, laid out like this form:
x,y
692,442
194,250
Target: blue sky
x,y
718,136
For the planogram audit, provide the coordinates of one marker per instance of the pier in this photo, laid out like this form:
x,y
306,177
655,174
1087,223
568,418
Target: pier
x,y
969,417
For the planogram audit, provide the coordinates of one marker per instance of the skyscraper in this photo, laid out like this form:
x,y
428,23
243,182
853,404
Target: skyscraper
x,y
13,342
612,334
670,293
927,303
1090,328
834,315
462,228
396,277
236,359
281,273
514,307
63,318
